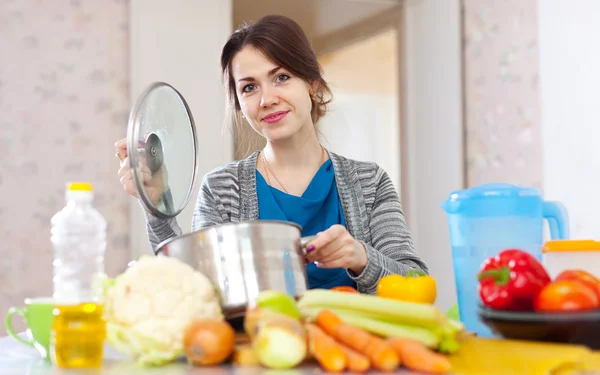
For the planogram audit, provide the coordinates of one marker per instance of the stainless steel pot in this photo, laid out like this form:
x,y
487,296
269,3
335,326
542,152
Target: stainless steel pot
x,y
244,259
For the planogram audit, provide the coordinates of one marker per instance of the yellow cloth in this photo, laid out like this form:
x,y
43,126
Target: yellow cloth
x,y
481,356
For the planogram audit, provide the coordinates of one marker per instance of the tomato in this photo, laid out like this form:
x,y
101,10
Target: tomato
x,y
566,295
416,286
582,276
346,289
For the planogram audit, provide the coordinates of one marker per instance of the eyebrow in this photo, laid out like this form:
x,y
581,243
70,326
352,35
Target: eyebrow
x,y
251,79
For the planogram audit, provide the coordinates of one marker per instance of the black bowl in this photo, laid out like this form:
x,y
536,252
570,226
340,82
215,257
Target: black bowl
x,y
581,328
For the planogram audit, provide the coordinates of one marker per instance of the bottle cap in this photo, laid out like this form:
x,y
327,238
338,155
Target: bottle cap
x,y
79,186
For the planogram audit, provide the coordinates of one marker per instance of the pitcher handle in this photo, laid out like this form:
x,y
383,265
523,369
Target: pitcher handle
x,y
558,220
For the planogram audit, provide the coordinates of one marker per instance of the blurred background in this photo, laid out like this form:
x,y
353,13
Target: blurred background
x,y
443,94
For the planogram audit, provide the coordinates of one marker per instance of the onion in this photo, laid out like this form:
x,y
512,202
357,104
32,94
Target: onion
x,y
208,342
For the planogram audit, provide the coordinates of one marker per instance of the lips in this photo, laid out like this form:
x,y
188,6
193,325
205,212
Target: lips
x,y
275,117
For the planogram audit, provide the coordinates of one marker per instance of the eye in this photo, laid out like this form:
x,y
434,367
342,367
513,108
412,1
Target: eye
x,y
248,88
282,78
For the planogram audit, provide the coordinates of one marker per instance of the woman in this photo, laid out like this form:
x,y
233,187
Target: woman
x,y
275,86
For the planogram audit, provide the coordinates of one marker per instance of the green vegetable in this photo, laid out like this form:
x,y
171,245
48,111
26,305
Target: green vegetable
x,y
278,302
453,312
387,318
418,314
381,328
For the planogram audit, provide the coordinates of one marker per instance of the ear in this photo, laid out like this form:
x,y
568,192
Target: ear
x,y
313,87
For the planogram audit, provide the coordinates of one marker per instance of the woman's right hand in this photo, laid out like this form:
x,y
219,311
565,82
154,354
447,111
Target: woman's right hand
x,y
124,170
154,183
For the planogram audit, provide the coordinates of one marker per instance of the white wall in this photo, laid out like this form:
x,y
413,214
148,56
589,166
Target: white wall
x,y
362,122
434,130
570,113
179,42
364,126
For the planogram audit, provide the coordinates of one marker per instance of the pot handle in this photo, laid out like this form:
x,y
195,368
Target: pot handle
x,y
304,241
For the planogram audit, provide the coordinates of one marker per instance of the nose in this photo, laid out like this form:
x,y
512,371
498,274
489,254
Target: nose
x,y
269,97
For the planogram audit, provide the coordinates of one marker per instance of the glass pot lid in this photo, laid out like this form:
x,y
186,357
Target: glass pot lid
x,y
162,150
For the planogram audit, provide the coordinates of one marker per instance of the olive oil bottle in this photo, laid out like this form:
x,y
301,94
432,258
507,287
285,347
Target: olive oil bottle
x,y
79,243
78,334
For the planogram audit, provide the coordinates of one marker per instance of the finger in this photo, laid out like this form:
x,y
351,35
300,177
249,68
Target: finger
x,y
323,238
335,254
127,183
125,162
121,147
124,168
338,243
340,262
125,177
321,253
146,173
131,190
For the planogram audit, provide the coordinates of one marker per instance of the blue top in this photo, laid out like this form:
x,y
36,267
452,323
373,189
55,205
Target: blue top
x,y
315,211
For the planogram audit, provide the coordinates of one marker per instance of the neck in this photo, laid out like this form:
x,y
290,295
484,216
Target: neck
x,y
303,150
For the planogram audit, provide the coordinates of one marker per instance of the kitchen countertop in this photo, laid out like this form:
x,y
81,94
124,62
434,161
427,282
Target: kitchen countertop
x,y
18,359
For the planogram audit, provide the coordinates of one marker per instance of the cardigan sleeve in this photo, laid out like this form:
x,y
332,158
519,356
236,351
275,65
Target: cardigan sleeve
x,y
206,213
160,230
208,210
391,250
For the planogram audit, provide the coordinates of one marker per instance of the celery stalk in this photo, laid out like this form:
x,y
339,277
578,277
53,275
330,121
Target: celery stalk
x,y
409,313
452,327
380,328
448,345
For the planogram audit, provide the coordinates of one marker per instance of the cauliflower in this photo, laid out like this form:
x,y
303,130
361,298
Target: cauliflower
x,y
148,307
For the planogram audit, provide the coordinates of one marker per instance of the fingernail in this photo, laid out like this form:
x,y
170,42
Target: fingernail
x,y
310,248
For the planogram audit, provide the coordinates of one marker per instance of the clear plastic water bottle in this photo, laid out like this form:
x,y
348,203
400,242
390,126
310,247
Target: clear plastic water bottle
x,y
79,242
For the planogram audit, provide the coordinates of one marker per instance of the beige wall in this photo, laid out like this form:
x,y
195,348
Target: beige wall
x,y
180,42
64,86
65,94
363,119
369,66
502,94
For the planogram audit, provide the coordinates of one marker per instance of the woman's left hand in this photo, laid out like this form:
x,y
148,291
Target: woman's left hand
x,y
336,248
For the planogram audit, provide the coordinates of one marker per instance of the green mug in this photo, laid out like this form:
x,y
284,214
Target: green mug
x,y
39,316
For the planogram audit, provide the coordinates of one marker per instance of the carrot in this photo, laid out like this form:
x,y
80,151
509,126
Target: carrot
x,y
416,356
325,349
382,356
357,362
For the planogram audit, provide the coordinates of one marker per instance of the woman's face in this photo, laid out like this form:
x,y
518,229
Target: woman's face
x,y
275,102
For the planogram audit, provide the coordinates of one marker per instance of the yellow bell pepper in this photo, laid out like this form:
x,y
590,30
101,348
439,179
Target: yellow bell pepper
x,y
416,286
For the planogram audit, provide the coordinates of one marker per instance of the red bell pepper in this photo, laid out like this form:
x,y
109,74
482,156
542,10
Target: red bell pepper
x,y
511,280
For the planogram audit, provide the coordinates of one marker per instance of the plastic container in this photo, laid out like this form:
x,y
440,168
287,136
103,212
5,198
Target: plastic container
x,y
565,255
79,243
487,219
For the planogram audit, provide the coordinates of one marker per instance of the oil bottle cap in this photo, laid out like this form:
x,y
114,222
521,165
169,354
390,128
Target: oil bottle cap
x,y
79,191
79,186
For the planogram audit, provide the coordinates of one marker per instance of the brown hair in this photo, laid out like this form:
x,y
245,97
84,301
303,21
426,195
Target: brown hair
x,y
284,42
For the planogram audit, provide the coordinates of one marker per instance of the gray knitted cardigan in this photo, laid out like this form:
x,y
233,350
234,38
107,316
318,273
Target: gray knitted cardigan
x,y
369,201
